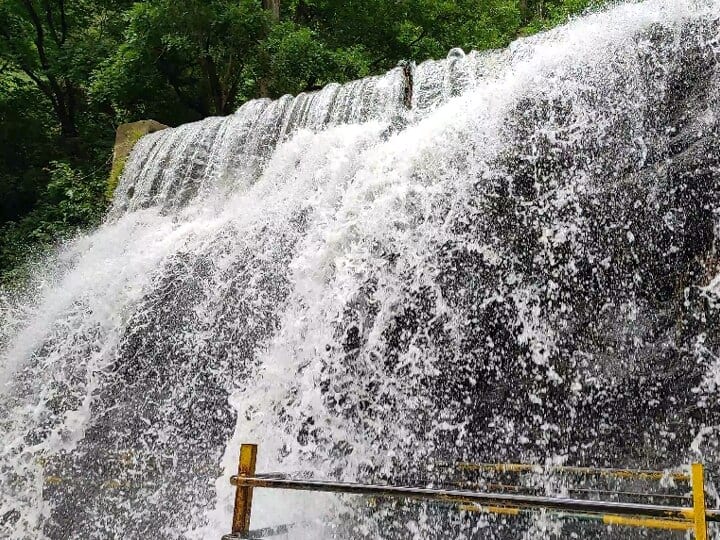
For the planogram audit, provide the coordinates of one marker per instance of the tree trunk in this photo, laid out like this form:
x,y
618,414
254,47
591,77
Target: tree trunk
x,y
215,85
273,6
525,14
69,134
264,90
67,126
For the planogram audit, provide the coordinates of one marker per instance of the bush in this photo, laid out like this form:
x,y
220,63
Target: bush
x,y
73,200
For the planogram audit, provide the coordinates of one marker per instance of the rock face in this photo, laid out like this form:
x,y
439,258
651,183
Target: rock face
x,y
126,136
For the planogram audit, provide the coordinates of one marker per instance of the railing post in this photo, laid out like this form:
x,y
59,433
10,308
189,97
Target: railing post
x,y
698,495
243,495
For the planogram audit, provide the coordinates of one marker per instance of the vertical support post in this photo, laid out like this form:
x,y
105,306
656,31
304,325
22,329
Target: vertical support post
x,y
243,495
698,493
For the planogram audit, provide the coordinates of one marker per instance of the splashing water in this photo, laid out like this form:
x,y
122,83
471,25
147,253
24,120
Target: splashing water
x,y
495,257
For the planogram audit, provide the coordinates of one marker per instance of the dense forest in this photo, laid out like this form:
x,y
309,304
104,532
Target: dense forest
x,y
72,71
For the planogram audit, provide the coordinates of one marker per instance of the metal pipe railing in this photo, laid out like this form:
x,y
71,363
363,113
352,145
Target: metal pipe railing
x,y
639,474
462,496
614,513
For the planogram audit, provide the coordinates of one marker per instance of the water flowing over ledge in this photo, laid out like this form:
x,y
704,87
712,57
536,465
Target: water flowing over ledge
x,y
514,261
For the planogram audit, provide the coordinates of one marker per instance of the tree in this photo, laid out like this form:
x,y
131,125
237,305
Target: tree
x,y
54,43
35,40
200,49
407,29
26,143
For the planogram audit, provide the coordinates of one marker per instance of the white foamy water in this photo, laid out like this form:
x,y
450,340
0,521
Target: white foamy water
x,y
501,271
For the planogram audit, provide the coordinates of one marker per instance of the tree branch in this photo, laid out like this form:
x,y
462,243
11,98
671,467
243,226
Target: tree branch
x,y
50,21
63,100
26,69
63,22
175,84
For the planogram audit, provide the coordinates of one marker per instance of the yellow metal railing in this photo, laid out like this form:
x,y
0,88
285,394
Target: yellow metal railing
x,y
638,474
675,518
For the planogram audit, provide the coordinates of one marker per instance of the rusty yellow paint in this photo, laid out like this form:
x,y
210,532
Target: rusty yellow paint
x,y
698,492
648,523
113,483
126,458
469,507
243,495
617,473
608,519
53,480
501,510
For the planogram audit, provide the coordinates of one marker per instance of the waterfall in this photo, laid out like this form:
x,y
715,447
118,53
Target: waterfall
x,y
498,256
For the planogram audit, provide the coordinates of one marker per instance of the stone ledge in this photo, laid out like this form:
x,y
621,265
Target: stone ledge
x,y
126,136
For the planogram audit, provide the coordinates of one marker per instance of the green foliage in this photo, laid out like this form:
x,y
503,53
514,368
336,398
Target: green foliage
x,y
25,144
551,13
300,61
408,29
56,44
194,53
72,200
70,71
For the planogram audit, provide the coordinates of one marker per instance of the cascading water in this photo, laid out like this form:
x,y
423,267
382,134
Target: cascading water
x,y
494,257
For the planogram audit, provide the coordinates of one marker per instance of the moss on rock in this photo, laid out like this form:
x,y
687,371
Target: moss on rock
x,y
126,136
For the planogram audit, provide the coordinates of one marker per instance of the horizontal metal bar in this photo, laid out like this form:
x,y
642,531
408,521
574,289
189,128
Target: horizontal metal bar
x,y
647,523
499,510
528,489
475,484
276,475
261,533
589,471
607,519
485,499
